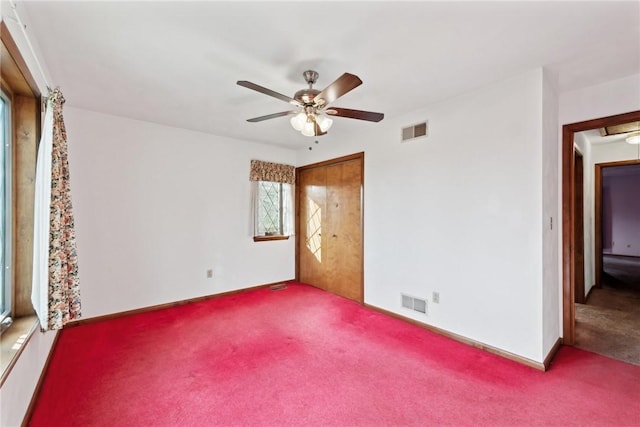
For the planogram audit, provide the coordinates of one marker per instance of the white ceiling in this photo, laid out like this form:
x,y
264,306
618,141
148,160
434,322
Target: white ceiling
x,y
177,63
594,137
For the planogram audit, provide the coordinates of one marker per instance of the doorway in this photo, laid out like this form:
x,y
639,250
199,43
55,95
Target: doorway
x,y
616,187
608,321
329,211
569,214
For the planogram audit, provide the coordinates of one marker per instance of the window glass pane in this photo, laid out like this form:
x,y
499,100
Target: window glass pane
x,y
269,208
5,231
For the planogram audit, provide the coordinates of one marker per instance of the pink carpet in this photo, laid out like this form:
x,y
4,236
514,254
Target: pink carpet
x,y
301,356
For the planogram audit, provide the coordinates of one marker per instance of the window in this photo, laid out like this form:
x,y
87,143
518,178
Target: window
x,y
5,212
270,215
19,109
272,200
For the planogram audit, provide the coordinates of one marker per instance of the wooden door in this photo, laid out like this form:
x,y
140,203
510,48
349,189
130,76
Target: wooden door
x,y
329,226
311,220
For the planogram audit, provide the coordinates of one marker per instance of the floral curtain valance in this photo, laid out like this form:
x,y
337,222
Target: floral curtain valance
x,y
274,172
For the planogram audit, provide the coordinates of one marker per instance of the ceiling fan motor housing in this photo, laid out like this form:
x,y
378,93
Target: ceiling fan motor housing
x,y
306,96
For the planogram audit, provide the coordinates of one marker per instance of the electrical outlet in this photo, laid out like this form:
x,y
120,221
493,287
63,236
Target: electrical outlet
x,y
436,297
209,274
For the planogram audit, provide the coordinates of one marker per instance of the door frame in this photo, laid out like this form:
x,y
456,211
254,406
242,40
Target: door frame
x,y
578,193
568,197
324,163
598,213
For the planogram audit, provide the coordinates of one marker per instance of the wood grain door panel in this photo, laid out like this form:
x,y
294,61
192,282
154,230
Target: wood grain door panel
x,y
311,237
330,215
344,245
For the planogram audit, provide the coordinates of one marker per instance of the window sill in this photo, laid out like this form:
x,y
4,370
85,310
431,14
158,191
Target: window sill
x,y
13,341
268,238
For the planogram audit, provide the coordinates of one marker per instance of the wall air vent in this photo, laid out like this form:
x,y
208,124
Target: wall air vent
x,y
416,131
278,286
415,304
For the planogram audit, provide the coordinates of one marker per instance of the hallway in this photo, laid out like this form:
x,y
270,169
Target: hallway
x,y
609,323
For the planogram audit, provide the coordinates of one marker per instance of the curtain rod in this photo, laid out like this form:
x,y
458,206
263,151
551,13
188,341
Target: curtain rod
x,y
23,27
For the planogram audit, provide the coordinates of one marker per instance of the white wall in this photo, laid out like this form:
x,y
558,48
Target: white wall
x,y
584,147
459,213
155,207
614,152
607,99
18,388
550,217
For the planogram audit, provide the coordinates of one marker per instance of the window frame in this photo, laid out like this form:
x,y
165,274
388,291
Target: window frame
x,y
267,236
20,87
6,263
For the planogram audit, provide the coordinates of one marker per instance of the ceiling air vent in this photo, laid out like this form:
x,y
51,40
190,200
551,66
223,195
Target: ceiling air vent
x,y
415,304
416,131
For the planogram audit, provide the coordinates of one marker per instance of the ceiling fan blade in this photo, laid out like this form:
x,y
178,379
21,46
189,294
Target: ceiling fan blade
x,y
335,90
355,114
269,92
272,116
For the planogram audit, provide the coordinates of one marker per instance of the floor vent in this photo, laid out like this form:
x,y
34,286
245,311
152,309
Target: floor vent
x,y
416,131
415,304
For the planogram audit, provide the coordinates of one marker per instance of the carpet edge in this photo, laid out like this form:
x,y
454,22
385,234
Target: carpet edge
x,y
468,341
111,316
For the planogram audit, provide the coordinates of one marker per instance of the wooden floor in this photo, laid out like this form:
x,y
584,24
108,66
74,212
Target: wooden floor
x,y
621,271
609,322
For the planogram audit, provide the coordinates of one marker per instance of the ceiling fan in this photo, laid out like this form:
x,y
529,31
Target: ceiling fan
x,y
312,117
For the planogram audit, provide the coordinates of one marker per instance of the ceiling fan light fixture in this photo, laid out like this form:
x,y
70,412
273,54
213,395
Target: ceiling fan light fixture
x,y
308,128
298,121
633,138
324,122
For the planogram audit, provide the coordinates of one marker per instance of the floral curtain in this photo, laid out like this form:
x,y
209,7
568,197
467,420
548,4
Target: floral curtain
x,y
273,172
56,291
